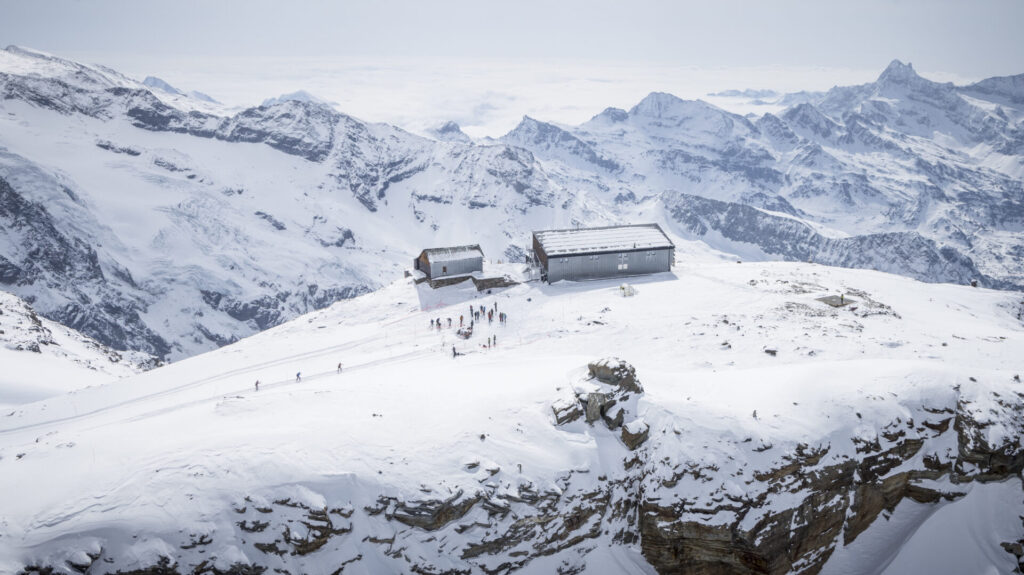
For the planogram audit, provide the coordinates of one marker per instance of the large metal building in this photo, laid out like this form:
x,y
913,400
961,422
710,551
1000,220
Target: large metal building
x,y
453,261
607,252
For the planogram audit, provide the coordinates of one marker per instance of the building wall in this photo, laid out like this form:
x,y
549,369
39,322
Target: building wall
x,y
456,267
538,250
608,265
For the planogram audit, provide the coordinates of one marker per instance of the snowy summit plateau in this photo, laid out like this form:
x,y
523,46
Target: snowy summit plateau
x,y
281,339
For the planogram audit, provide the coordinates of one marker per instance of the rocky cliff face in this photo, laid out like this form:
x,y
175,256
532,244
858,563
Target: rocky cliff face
x,y
763,510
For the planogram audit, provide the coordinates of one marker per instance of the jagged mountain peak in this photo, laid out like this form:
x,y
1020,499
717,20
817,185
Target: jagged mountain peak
x,y
902,76
898,72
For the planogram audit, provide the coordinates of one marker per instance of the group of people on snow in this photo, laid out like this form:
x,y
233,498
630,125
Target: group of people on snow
x,y
476,314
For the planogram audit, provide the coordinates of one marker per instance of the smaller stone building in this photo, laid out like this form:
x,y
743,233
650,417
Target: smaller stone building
x,y
453,261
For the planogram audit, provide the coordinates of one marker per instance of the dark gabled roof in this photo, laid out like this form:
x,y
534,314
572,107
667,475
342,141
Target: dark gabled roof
x,y
603,239
453,253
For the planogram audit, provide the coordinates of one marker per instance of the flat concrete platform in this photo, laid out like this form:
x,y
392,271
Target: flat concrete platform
x,y
835,300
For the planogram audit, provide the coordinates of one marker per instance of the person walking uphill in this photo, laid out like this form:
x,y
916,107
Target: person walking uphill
x,y
298,376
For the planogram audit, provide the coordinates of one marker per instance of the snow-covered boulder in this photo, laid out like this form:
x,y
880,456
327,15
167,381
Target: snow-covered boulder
x,y
635,433
614,371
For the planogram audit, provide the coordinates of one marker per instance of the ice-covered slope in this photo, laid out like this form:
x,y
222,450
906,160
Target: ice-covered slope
x,y
762,431
41,358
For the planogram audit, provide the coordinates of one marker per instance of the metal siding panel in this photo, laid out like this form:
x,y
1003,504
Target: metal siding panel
x,y
456,267
607,265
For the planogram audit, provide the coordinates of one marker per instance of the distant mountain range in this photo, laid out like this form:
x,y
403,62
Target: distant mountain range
x,y
161,221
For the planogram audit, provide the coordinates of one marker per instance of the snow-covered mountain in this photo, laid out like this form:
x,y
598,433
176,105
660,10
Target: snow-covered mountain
x,y
161,222
721,420
175,230
42,358
929,170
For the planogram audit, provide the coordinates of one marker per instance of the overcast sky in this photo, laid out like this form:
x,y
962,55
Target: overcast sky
x,y
351,49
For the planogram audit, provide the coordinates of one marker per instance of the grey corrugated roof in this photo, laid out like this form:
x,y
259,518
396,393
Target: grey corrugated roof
x,y
605,239
453,253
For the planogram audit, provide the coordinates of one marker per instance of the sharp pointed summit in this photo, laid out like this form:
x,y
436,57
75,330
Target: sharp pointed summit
x,y
898,73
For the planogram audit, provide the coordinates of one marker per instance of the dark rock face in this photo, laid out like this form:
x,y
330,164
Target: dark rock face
x,y
615,372
103,308
840,500
904,253
635,437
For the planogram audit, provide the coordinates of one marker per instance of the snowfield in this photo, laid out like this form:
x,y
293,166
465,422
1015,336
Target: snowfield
x,y
42,358
411,459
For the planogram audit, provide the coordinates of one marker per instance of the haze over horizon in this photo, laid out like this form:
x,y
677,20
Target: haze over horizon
x,y
485,66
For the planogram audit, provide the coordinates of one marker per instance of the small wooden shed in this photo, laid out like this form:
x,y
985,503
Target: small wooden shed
x,y
451,261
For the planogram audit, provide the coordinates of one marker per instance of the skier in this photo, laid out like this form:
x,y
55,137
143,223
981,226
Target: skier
x,y
453,352
339,367
494,340
257,385
298,376
431,323
460,321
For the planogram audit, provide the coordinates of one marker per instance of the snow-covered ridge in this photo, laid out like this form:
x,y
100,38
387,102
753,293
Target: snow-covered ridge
x,y
743,422
42,358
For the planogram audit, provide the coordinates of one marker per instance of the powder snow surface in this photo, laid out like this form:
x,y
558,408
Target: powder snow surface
x,y
617,238
171,451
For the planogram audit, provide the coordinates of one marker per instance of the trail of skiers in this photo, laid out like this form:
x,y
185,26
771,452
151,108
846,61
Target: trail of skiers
x,y
298,376
476,313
